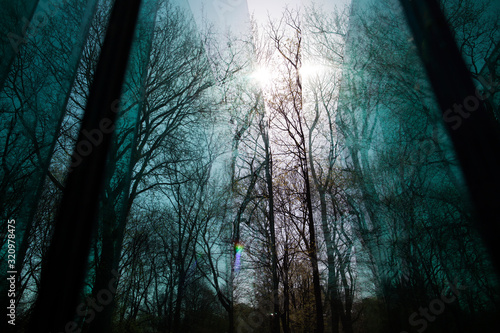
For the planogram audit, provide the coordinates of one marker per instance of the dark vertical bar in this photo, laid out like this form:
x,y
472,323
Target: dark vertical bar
x,y
472,127
64,268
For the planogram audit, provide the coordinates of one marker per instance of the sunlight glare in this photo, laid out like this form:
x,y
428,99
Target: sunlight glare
x,y
309,70
262,76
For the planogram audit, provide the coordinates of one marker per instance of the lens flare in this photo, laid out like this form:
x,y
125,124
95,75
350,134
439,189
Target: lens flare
x,y
238,248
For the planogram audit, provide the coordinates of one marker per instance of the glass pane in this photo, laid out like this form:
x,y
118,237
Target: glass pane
x,y
117,195
424,264
33,101
16,26
276,166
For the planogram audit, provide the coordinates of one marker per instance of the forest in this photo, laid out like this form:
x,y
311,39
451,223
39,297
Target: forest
x,y
294,177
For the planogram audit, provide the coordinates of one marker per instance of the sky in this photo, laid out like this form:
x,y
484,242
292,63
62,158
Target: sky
x,y
235,14
260,8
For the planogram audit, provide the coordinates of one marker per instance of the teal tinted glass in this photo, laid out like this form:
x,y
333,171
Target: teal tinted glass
x,y
33,101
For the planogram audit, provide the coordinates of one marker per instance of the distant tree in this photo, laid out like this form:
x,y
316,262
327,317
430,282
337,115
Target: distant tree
x,y
286,101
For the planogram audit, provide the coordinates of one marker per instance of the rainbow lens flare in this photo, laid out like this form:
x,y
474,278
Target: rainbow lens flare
x,y
238,247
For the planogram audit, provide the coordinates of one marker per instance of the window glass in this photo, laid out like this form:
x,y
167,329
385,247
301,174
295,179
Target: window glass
x,y
277,166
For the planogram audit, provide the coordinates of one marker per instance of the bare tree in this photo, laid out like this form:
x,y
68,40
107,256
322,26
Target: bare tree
x,y
286,102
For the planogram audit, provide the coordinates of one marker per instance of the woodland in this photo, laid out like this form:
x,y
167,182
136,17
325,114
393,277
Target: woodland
x,y
294,179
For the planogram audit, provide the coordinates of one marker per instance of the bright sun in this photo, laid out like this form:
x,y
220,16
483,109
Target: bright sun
x,y
262,76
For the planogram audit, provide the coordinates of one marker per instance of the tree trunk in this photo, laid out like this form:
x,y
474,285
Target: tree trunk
x,y
106,281
230,315
178,302
313,253
285,317
330,252
275,324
